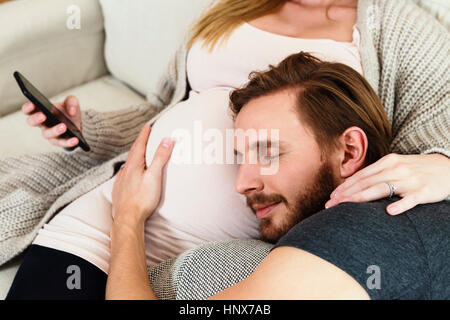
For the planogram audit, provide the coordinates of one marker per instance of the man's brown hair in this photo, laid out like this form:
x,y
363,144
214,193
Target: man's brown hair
x,y
331,97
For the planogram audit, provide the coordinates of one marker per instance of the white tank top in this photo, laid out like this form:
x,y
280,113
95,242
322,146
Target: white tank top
x,y
251,49
199,203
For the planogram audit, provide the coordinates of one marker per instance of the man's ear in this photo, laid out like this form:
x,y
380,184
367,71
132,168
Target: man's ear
x,y
352,156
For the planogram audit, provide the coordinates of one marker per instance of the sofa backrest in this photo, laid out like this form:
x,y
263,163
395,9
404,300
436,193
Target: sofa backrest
x,y
142,36
38,39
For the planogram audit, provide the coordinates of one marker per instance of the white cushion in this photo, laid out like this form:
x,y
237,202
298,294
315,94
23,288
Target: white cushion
x,y
103,94
142,36
35,40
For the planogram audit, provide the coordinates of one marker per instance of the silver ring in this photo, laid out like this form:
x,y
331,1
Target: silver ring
x,y
392,189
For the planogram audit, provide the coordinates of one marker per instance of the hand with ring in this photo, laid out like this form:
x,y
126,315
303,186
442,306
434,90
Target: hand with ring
x,y
417,179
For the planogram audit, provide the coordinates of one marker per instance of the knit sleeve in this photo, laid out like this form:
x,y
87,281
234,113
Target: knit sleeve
x,y
421,114
111,133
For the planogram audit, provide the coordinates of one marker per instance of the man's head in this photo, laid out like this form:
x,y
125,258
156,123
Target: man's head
x,y
331,124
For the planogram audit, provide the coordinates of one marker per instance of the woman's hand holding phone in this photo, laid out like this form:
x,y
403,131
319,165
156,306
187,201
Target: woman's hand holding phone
x,y
71,109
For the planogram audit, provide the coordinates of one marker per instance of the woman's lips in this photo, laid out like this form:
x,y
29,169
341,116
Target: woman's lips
x,y
264,211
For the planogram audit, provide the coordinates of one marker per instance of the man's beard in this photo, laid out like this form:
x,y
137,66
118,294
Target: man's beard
x,y
308,201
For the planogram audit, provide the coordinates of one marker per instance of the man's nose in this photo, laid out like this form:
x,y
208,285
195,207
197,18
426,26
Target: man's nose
x,y
248,179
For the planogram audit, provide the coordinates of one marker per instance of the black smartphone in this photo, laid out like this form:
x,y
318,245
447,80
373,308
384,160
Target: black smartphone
x,y
54,115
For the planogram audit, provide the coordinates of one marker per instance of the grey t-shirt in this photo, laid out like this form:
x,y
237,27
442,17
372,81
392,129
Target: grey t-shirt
x,y
393,257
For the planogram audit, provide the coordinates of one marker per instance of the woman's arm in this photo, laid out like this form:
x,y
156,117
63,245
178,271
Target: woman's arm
x,y
413,53
415,64
112,133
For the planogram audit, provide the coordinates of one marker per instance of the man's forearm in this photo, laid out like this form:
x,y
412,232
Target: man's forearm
x,y
127,276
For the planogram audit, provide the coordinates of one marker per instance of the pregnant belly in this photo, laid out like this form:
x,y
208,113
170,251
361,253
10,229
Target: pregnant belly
x,y
198,203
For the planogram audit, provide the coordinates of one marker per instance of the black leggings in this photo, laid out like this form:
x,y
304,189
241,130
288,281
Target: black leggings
x,y
49,274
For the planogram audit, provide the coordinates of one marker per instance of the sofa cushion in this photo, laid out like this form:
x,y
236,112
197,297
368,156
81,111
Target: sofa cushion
x,y
103,94
142,36
35,40
203,271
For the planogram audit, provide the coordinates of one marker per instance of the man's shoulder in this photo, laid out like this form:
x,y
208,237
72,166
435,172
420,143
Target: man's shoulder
x,y
407,248
370,220
351,214
377,209
352,222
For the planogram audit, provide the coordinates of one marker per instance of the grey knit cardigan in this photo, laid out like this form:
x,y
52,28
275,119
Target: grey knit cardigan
x,y
405,57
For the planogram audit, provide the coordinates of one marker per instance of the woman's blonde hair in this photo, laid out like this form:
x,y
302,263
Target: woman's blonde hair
x,y
222,18
217,23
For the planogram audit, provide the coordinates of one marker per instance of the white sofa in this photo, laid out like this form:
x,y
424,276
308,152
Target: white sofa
x,y
141,37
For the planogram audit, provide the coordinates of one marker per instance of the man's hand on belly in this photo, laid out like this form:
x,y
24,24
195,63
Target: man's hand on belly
x,y
137,188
